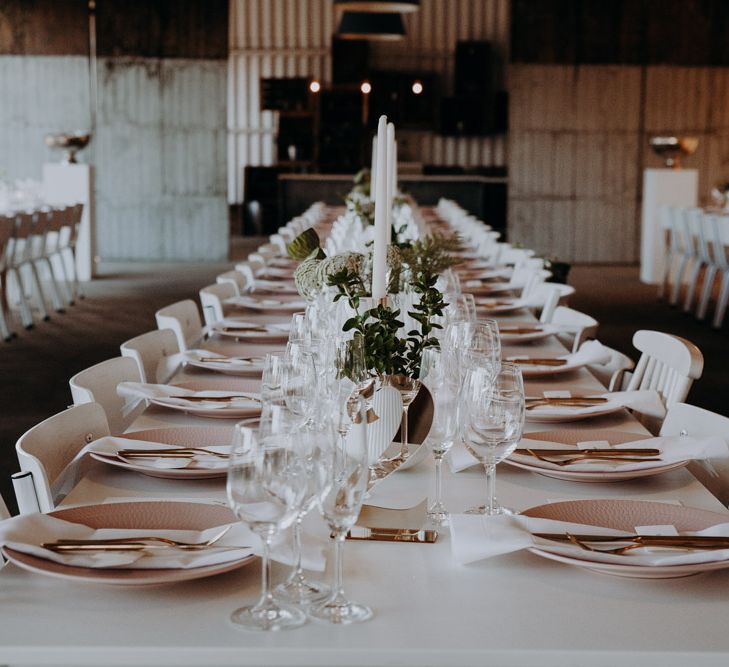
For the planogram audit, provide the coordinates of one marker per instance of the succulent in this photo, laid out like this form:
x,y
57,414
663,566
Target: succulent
x,y
306,277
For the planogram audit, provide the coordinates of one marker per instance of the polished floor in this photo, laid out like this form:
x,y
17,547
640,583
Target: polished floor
x,y
35,367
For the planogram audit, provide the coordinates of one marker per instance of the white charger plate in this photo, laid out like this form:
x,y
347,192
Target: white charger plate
x,y
245,331
539,332
626,515
226,412
252,369
175,436
572,437
143,516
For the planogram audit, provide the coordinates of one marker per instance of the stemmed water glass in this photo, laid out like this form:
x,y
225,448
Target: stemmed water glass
x,y
493,420
340,507
265,487
436,375
316,443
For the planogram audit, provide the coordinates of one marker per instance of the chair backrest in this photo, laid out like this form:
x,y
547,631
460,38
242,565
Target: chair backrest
x,y
668,364
148,350
240,281
684,419
212,298
578,326
612,372
47,448
183,318
98,384
7,229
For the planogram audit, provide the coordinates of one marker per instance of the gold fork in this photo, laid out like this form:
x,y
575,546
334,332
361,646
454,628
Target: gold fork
x,y
178,452
130,543
592,457
640,542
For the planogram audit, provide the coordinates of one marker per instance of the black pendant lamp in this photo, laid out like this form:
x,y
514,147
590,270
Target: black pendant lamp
x,y
404,6
373,26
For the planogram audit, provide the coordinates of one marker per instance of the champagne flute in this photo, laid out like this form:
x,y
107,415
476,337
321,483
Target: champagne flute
x,y
300,381
340,507
494,409
434,374
265,487
315,445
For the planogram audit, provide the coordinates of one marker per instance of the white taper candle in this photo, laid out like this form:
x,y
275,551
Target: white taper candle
x,y
373,168
382,225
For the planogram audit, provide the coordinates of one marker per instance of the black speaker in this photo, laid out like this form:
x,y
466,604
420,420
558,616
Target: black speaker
x,y
350,58
474,68
466,116
285,94
295,138
341,131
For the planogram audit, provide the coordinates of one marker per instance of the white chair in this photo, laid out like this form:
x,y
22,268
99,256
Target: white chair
x,y
684,419
686,250
240,281
719,225
67,248
613,372
701,258
576,326
212,299
280,243
183,318
47,448
45,222
668,364
251,268
23,271
148,350
7,227
98,385
711,226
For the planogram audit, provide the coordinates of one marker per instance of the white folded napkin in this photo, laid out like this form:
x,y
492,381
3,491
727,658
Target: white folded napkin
x,y
645,401
235,323
475,537
110,446
135,392
225,363
266,304
591,352
672,450
26,532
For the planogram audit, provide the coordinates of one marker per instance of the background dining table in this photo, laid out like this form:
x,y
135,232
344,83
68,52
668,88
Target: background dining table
x,y
513,610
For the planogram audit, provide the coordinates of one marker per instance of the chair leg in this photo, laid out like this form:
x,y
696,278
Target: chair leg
x,y
35,287
5,331
722,301
691,286
26,316
665,283
56,300
69,257
58,267
677,280
706,288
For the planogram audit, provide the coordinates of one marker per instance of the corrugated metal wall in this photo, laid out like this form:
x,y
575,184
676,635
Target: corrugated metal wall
x,y
579,143
293,38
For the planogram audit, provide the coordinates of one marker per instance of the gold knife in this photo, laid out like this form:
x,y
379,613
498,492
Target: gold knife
x,y
539,362
419,535
706,541
577,452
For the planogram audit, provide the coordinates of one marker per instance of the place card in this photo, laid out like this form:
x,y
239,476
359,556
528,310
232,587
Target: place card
x,y
661,529
557,393
594,444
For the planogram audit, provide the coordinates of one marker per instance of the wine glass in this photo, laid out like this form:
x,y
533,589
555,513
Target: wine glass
x,y
459,308
300,381
493,420
436,376
408,388
472,343
315,445
340,507
265,486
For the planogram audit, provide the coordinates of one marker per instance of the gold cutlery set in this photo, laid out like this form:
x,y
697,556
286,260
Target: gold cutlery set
x,y
556,456
683,542
568,401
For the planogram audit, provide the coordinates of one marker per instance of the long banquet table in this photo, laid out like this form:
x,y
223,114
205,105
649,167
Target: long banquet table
x,y
512,610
